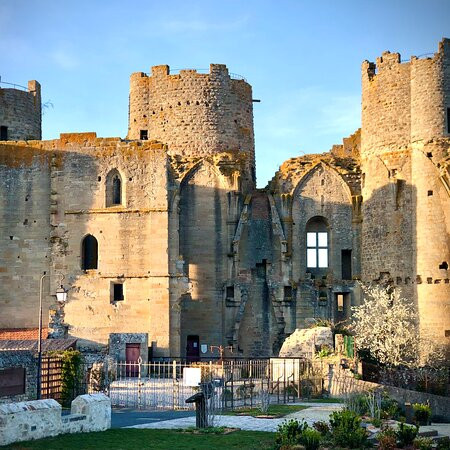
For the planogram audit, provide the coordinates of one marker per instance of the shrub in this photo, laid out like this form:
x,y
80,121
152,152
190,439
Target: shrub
x,y
406,434
423,443
310,439
376,422
422,413
356,403
324,351
443,443
322,427
390,408
346,430
387,439
289,433
71,374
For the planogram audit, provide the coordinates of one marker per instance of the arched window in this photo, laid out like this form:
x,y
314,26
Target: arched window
x,y
317,243
114,188
89,253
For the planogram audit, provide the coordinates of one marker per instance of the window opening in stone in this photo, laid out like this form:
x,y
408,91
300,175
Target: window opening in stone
x,y
144,135
230,291
430,193
444,265
346,261
447,333
288,292
316,244
99,178
340,302
118,292
3,133
117,190
448,120
89,253
429,155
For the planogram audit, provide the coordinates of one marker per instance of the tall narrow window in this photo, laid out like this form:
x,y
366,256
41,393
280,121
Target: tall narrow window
x,y
448,120
114,189
3,133
317,244
117,190
340,302
346,263
89,253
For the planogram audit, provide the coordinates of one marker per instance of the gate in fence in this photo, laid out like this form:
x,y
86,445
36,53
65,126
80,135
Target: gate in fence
x,y
232,383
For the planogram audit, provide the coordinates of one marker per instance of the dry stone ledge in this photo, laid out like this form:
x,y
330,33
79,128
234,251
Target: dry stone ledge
x,y
42,418
302,343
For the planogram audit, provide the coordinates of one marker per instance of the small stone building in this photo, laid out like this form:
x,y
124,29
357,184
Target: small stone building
x,y
169,249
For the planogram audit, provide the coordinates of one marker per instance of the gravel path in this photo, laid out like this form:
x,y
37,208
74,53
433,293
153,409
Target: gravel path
x,y
314,412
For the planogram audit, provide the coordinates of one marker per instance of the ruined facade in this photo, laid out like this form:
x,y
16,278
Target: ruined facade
x,y
164,241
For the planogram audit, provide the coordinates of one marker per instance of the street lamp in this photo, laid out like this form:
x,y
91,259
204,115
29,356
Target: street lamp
x,y
61,296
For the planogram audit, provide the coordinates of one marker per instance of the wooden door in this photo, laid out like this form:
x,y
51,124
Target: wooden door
x,y
193,348
132,353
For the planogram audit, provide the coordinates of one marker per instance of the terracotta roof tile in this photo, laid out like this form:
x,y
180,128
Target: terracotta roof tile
x,y
22,333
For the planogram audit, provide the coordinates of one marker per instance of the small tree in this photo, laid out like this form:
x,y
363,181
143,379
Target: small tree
x,y
386,325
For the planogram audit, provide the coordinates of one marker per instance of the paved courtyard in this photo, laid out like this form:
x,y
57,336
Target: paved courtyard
x,y
314,413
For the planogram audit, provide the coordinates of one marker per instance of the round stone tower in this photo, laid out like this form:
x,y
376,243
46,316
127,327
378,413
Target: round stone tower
x,y
195,114
20,112
405,139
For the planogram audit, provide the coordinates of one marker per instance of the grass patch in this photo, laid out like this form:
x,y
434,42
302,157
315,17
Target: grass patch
x,y
129,438
274,410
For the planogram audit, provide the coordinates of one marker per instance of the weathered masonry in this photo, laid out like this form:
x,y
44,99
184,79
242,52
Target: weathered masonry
x,y
167,245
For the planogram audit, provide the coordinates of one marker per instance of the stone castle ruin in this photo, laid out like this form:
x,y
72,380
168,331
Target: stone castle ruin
x,y
166,244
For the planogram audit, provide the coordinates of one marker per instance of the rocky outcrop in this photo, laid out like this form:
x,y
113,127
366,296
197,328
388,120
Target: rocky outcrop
x,y
304,342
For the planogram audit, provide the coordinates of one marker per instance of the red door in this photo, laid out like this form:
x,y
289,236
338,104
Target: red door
x,y
132,353
193,348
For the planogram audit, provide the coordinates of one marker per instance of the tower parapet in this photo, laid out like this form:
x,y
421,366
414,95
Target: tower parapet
x,y
195,114
20,112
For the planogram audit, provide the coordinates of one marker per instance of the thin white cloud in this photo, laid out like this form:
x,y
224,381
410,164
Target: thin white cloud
x,y
64,58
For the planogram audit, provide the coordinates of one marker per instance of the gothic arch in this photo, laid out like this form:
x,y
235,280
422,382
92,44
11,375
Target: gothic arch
x,y
114,189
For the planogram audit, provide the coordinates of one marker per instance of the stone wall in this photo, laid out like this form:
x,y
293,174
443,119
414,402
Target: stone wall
x,y
42,418
54,195
21,359
339,385
20,112
193,113
25,197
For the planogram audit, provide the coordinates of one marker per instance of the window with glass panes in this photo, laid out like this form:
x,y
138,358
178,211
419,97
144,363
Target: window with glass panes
x,y
317,249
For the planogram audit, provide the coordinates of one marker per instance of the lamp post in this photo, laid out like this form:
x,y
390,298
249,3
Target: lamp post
x,y
61,296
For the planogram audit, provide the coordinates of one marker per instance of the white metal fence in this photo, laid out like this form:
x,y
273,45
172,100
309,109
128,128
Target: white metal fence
x,y
236,382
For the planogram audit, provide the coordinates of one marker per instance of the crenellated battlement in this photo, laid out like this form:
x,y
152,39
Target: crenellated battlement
x,y
20,111
194,113
391,61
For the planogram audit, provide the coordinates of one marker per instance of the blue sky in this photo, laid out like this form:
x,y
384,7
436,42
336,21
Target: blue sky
x,y
302,58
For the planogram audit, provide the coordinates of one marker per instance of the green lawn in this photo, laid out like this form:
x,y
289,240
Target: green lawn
x,y
129,438
274,410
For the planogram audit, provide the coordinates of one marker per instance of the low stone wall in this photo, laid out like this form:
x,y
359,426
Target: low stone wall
x,y
339,384
42,418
